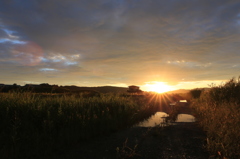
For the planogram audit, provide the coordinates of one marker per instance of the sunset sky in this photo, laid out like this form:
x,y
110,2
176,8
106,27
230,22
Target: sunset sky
x,y
183,43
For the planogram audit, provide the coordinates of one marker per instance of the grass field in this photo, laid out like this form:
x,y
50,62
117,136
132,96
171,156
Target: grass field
x,y
33,125
218,111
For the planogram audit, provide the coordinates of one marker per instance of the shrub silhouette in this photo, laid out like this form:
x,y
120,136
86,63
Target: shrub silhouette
x,y
196,93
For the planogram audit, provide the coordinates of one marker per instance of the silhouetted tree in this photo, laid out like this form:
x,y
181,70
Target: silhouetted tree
x,y
196,93
134,89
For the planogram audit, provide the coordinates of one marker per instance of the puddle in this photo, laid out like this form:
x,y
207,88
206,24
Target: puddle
x,y
153,120
185,118
159,117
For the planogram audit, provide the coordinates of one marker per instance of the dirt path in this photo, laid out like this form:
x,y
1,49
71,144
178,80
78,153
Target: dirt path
x,y
181,141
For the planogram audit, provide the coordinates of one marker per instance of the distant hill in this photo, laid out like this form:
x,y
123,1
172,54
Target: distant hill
x,y
101,89
46,88
106,89
179,91
186,90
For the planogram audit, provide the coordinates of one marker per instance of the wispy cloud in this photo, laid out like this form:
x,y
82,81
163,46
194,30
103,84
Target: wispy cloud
x,y
48,69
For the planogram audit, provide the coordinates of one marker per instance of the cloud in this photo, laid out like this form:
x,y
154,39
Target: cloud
x,y
3,34
48,70
122,41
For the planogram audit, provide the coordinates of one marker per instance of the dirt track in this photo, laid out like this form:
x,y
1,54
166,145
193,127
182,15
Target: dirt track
x,y
178,141
181,141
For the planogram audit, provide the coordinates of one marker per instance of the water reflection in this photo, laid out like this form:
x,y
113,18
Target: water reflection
x,y
160,118
185,118
154,120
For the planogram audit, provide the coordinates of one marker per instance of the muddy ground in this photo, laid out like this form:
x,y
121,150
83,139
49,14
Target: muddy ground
x,y
180,141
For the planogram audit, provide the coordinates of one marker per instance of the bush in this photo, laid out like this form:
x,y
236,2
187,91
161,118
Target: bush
x,y
218,111
196,93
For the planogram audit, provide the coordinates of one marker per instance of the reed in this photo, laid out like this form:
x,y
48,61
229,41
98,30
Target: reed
x,y
218,111
34,125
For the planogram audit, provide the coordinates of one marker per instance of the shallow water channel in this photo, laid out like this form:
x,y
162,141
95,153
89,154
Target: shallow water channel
x,y
160,117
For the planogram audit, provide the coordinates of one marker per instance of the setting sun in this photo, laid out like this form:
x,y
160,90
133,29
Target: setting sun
x,y
159,87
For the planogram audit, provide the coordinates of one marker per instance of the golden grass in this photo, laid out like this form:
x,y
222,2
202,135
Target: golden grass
x,y
218,111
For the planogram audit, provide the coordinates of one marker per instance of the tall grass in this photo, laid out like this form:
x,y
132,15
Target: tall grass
x,y
32,125
218,111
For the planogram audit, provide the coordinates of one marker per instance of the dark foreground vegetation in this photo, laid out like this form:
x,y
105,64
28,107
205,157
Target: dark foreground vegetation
x,y
36,125
218,112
